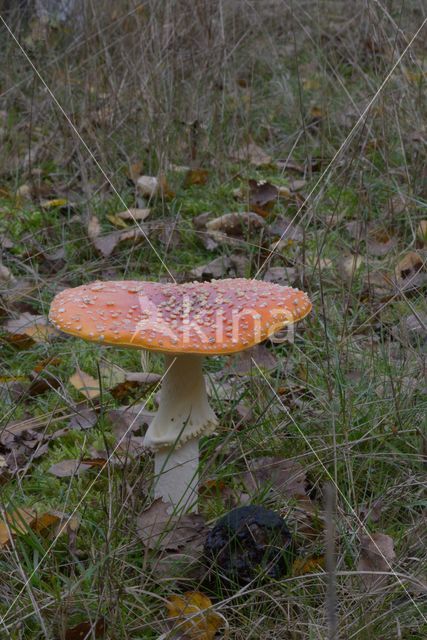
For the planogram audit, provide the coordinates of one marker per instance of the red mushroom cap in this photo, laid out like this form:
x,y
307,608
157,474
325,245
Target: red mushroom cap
x,y
218,317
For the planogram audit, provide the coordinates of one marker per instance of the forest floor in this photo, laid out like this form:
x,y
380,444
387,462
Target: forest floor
x,y
309,124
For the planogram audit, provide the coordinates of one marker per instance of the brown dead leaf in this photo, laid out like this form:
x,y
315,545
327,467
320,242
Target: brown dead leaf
x,y
380,241
87,630
348,266
285,276
14,523
234,266
411,272
196,177
85,384
262,196
253,154
42,382
236,224
379,285
133,381
372,511
376,555
106,243
297,185
27,329
312,564
83,418
286,478
285,229
130,420
290,165
132,215
20,521
242,363
148,186
93,228
159,530
67,468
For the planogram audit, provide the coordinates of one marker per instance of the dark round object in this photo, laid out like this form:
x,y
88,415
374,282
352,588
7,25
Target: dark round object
x,y
249,541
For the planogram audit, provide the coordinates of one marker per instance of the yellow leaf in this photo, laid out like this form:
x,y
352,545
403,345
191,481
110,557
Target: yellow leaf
x,y
117,222
53,204
16,522
313,564
191,614
196,176
21,520
85,384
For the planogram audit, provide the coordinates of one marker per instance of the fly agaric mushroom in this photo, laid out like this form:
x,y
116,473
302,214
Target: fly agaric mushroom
x,y
186,322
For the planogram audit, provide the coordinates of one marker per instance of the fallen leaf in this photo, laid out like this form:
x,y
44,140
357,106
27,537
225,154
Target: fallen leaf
x,y
196,177
233,266
133,381
253,154
372,511
290,165
134,214
83,418
56,203
412,328
159,530
262,196
376,555
286,478
285,229
106,243
242,364
411,272
85,384
348,266
116,221
86,630
148,186
379,285
312,564
27,329
42,382
15,523
297,185
356,229
129,420
93,228
192,617
380,242
285,276
236,224
67,468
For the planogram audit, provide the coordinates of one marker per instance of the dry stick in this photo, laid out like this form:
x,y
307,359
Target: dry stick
x,y
346,142
331,592
348,504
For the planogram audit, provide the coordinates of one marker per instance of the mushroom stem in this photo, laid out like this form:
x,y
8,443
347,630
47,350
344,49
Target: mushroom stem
x,y
184,415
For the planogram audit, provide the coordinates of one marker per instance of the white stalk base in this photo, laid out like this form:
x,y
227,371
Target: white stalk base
x,y
184,415
177,475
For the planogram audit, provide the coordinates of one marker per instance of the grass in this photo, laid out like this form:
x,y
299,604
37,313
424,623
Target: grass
x,y
168,84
